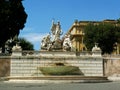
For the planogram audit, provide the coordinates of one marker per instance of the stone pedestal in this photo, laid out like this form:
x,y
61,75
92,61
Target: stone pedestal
x,y
16,53
16,50
96,51
96,54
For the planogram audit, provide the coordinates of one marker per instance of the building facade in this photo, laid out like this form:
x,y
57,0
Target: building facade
x,y
77,33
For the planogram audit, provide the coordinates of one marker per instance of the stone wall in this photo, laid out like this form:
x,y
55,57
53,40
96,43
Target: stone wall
x,y
24,66
27,65
88,65
112,67
4,66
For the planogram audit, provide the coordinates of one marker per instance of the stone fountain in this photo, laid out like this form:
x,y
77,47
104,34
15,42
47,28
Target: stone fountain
x,y
54,44
57,61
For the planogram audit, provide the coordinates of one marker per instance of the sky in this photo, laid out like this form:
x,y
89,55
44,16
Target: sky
x,y
42,12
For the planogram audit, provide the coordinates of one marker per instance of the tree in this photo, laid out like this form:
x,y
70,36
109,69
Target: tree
x,y
26,45
104,34
12,19
118,20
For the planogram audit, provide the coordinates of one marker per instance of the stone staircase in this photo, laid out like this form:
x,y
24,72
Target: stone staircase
x,y
58,79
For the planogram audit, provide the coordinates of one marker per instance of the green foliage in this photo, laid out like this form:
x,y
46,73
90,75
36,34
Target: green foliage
x,y
105,34
89,38
118,20
12,19
60,70
26,45
118,33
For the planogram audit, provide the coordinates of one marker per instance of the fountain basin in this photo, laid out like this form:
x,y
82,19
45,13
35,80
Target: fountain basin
x,y
60,70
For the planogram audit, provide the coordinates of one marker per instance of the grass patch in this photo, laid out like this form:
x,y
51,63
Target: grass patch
x,y
60,70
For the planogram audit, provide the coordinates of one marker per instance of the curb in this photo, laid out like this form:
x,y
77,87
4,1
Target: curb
x,y
114,78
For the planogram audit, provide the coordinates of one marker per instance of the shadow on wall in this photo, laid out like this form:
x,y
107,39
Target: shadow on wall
x,y
4,67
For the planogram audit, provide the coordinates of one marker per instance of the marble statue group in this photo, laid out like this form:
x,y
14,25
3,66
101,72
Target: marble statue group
x,y
53,40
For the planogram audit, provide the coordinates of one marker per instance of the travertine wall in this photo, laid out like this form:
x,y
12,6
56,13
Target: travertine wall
x,y
4,66
112,67
27,65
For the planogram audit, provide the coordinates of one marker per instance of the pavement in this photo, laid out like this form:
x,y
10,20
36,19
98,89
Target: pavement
x,y
60,86
38,85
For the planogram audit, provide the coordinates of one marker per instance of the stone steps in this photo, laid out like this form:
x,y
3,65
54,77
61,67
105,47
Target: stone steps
x,y
59,79
75,77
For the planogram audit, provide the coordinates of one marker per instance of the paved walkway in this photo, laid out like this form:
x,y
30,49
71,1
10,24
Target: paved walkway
x,y
60,86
